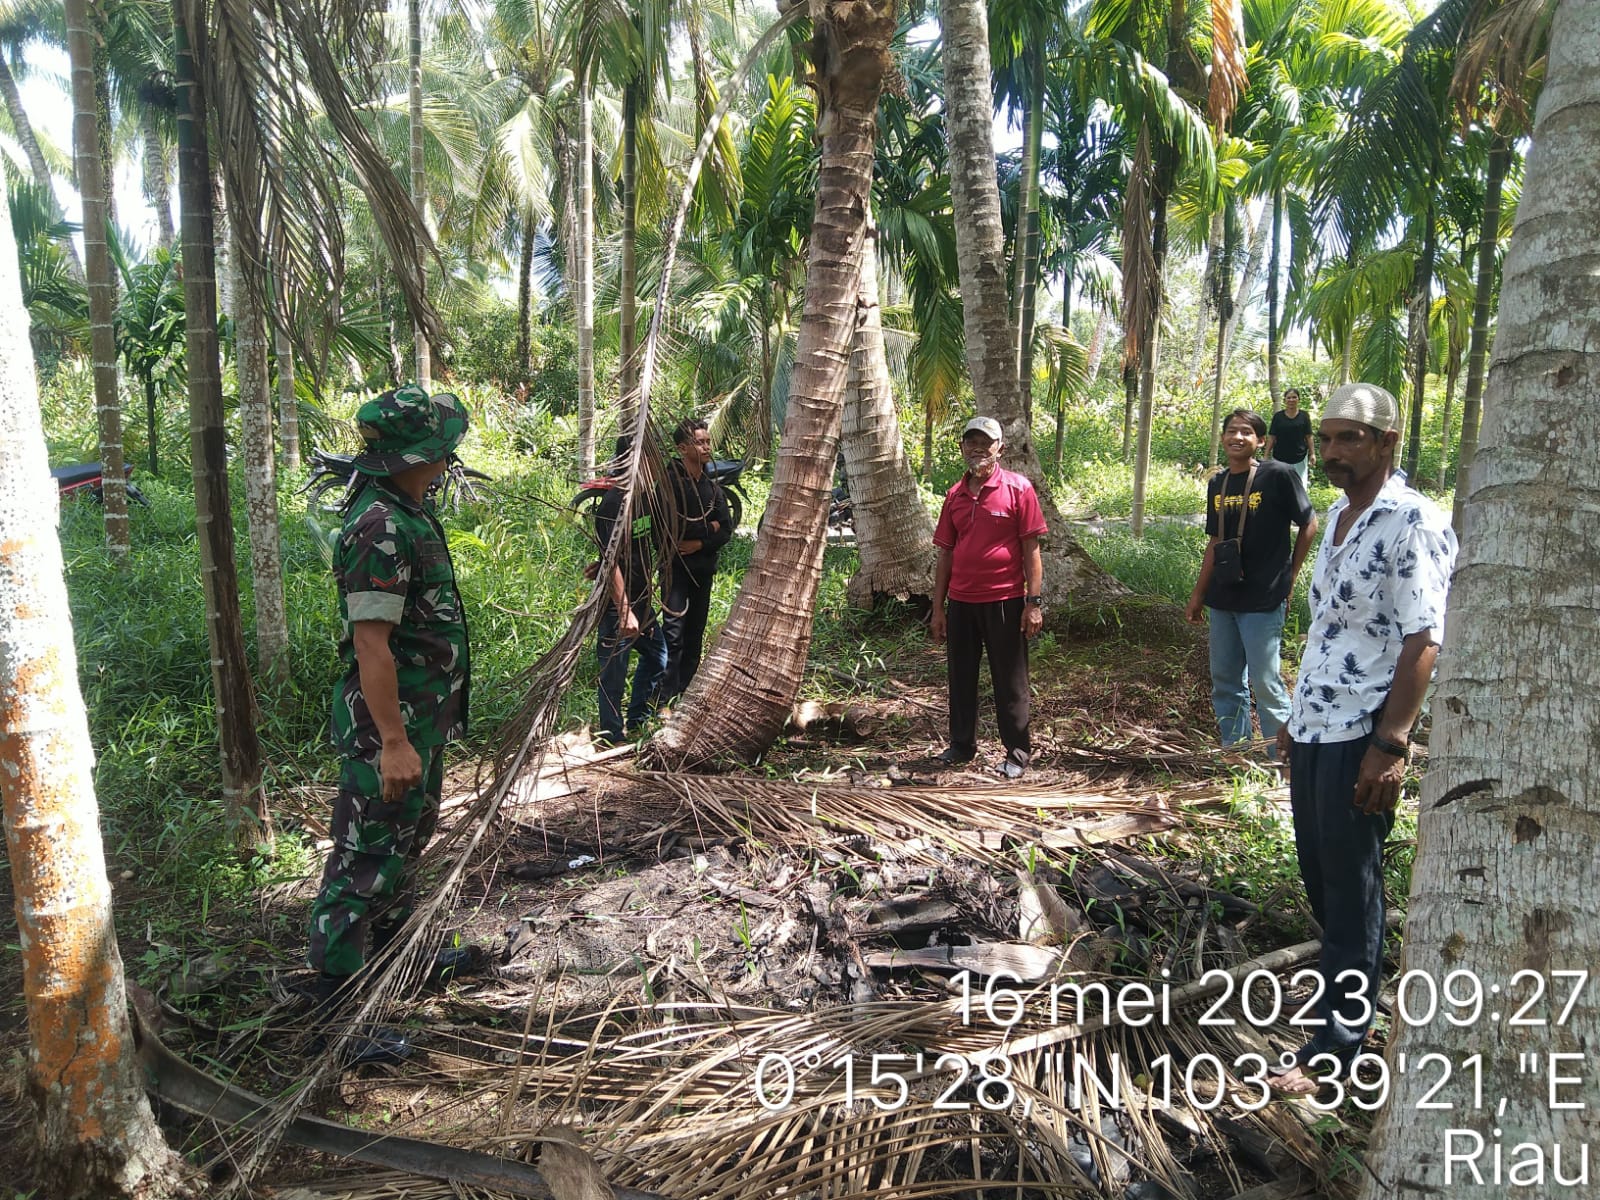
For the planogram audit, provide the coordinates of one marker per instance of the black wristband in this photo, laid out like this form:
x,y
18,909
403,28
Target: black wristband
x,y
1393,749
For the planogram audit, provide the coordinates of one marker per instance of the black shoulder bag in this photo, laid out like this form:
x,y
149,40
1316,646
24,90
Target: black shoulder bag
x,y
1227,560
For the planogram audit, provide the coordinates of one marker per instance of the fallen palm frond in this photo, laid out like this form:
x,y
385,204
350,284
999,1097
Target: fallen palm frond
x,y
1006,1093
928,823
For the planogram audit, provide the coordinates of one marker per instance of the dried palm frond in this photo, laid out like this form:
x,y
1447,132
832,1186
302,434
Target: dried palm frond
x,y
1506,51
929,823
1228,77
888,1099
1139,281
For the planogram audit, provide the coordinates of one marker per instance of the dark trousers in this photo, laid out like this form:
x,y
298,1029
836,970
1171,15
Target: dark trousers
x,y
613,652
996,629
685,608
1341,861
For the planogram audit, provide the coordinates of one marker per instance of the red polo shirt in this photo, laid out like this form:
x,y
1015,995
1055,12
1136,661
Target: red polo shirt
x,y
984,534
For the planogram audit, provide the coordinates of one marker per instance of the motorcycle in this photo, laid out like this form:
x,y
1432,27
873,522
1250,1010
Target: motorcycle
x,y
334,475
725,471
334,478
88,479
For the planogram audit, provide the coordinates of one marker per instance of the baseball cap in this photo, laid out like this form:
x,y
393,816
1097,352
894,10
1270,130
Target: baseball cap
x,y
988,426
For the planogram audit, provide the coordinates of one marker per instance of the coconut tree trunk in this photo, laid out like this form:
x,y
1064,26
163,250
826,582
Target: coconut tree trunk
x,y
1509,822
1164,173
986,312
96,1135
419,177
1230,323
1061,394
42,178
1208,291
732,710
1274,282
102,288
157,179
894,533
980,237
1421,288
523,360
260,475
1097,345
628,275
1478,348
243,797
1223,290
585,281
1028,234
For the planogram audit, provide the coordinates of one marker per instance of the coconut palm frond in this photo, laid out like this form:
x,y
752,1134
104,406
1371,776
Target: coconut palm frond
x,y
1506,51
1228,76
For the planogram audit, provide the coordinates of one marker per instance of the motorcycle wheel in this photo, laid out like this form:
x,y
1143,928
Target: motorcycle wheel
x,y
586,501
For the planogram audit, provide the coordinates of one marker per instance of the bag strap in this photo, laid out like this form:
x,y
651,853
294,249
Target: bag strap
x,y
1244,500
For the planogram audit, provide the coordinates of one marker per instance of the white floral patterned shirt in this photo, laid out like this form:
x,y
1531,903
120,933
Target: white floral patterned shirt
x,y
1387,581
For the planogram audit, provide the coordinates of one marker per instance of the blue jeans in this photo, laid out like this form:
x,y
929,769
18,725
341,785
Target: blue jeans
x,y
1244,643
651,646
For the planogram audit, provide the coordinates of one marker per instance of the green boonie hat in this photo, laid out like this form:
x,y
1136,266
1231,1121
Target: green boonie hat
x,y
408,428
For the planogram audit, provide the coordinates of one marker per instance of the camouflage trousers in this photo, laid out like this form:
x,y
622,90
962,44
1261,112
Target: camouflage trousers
x,y
370,870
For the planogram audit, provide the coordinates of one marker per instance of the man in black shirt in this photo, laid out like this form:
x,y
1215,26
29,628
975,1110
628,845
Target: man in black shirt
x,y
1247,575
704,527
629,622
1289,436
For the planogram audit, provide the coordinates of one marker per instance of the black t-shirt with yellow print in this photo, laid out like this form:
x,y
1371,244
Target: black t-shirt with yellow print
x,y
1277,501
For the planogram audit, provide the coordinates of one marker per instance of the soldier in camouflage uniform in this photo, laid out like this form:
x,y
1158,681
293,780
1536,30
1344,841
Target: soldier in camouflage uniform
x,y
403,694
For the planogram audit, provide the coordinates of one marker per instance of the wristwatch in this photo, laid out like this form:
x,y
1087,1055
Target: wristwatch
x,y
1036,601
1392,749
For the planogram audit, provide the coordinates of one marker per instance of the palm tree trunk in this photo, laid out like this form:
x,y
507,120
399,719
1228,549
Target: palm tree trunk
x,y
1164,173
1223,288
1504,874
980,236
627,282
1421,289
1208,294
1028,234
243,797
1061,397
732,710
260,474
92,184
585,173
42,178
419,177
1097,345
288,401
1478,348
96,1134
894,533
1274,282
986,313
523,359
157,180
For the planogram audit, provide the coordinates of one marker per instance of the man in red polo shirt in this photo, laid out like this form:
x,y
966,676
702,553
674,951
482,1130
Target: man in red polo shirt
x,y
991,571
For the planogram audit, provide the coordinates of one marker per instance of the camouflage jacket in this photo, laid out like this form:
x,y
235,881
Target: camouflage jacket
x,y
392,564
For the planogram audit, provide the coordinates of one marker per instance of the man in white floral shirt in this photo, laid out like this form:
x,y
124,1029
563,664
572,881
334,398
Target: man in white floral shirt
x,y
1377,617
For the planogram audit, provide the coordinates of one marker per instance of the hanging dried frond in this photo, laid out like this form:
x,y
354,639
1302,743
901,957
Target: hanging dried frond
x,y
1228,78
1503,61
1139,281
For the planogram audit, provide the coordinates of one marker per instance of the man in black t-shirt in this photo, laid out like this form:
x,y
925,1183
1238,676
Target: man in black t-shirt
x,y
629,622
1289,436
704,527
1247,613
